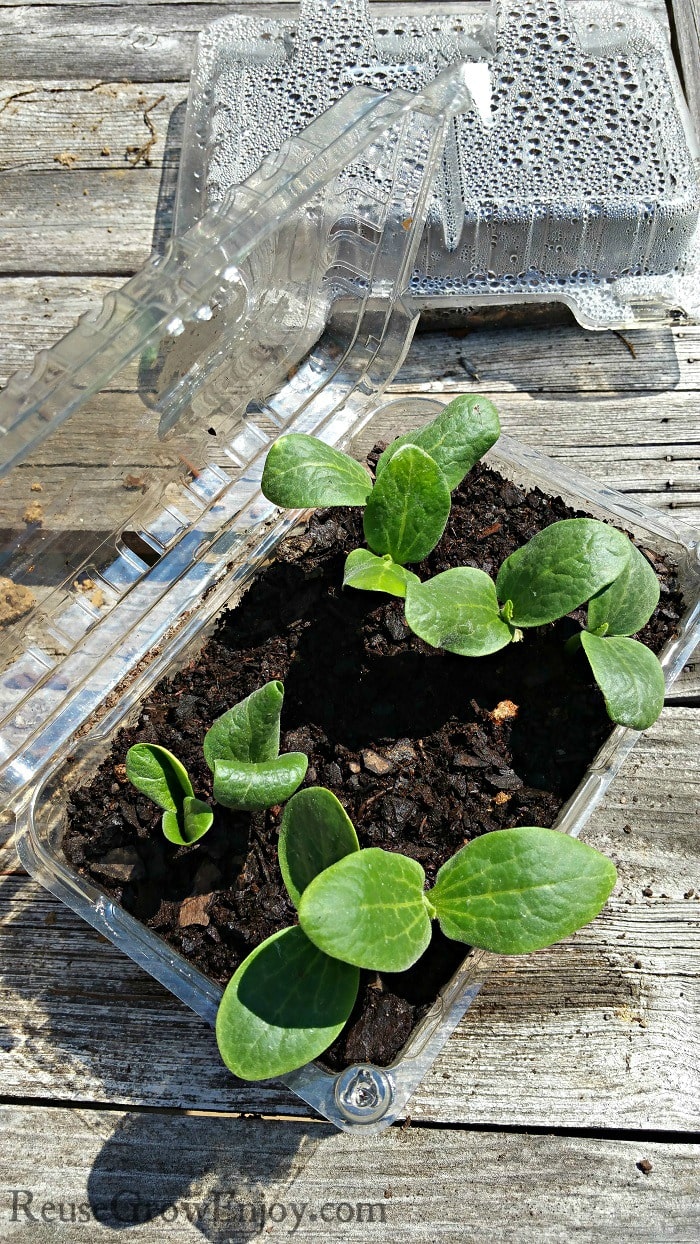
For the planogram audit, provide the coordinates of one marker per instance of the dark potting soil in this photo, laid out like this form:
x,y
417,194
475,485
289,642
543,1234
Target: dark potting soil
x,y
425,749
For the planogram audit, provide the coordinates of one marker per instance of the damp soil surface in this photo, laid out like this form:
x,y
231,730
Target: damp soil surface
x,y
425,749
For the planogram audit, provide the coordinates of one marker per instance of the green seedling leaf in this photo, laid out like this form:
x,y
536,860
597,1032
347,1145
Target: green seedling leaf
x,y
253,787
627,604
195,819
561,568
409,506
458,610
302,471
376,574
248,732
157,773
517,890
630,677
284,1006
460,435
369,909
316,832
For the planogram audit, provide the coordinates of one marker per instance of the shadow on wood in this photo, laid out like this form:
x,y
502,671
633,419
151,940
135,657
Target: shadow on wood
x,y
156,1170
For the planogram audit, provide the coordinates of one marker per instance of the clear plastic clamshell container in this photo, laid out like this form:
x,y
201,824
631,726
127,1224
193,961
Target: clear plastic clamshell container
x,y
131,508
583,189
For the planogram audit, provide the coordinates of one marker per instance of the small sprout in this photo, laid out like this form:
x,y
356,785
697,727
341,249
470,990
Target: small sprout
x,y
157,773
242,750
511,891
407,509
629,674
569,563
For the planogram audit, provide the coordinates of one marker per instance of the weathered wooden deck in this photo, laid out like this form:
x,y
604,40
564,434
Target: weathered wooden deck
x,y
566,1105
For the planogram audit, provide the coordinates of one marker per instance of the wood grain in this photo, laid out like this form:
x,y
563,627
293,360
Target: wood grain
x,y
79,221
61,126
142,42
234,1179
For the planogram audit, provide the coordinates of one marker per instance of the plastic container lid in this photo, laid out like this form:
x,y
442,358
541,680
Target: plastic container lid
x,y
584,189
175,391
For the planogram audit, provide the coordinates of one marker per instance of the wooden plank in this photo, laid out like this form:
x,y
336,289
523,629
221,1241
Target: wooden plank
x,y
562,358
141,42
144,44
560,424
221,1178
64,126
566,358
71,148
554,1038
79,462
37,311
46,225
620,439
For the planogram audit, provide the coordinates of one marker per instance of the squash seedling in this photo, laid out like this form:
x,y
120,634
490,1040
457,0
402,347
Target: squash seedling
x,y
512,891
406,509
242,751
567,564
157,773
462,610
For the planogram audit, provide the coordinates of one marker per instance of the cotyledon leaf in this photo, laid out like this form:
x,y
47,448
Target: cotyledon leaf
x,y
248,732
630,677
626,605
316,832
457,438
366,571
458,611
560,568
409,506
369,909
516,890
302,471
195,818
157,773
253,787
284,1005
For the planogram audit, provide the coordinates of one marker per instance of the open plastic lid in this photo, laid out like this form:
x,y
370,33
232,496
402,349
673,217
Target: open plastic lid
x,y
585,189
285,308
